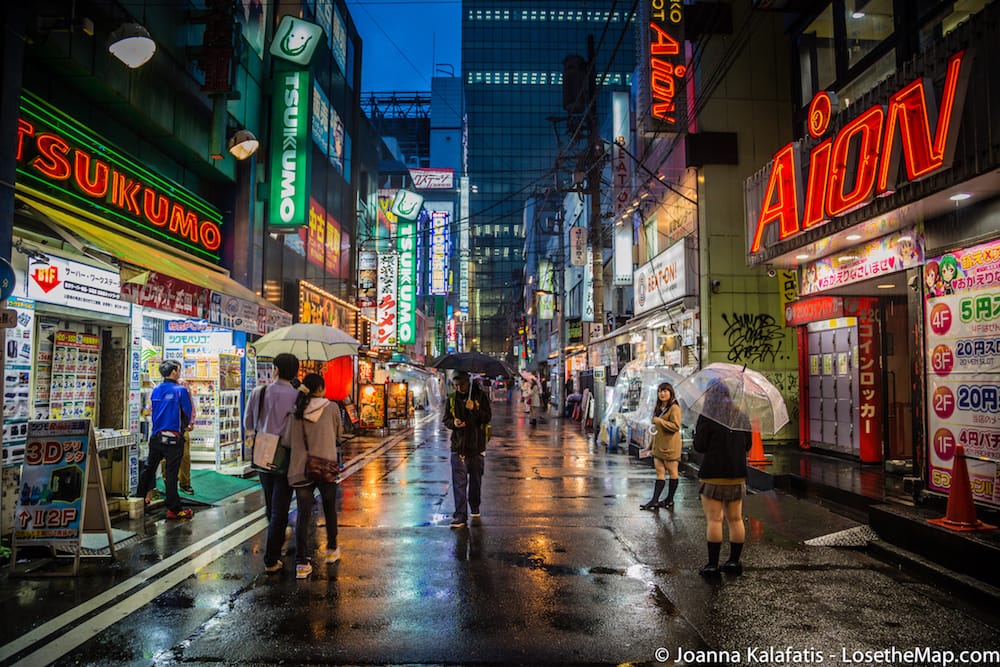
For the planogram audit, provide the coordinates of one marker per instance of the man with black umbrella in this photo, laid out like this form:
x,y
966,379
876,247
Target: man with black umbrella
x,y
467,413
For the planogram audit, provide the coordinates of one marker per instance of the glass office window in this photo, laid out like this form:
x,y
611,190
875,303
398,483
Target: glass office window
x,y
868,24
817,56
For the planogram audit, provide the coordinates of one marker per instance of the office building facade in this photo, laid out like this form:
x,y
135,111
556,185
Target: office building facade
x,y
512,69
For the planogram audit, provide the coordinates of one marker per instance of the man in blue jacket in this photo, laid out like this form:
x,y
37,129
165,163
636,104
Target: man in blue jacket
x,y
172,413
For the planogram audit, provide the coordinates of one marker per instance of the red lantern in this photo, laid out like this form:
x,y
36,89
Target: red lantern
x,y
339,377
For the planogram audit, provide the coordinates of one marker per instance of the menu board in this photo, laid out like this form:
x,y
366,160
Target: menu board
x,y
73,391
372,406
398,404
963,369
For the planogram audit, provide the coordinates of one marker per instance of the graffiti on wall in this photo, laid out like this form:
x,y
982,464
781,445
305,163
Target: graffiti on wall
x,y
753,338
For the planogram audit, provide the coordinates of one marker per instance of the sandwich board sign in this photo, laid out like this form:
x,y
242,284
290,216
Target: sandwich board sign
x,y
60,493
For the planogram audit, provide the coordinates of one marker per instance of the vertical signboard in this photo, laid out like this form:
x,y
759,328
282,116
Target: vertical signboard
x,y
367,283
289,150
463,246
870,407
407,281
588,287
963,366
439,251
577,245
661,89
621,163
385,313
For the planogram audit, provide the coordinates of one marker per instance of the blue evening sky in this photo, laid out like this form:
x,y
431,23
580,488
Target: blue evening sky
x,y
404,40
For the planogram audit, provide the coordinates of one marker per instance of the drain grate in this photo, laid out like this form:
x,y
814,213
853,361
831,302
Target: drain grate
x,y
858,536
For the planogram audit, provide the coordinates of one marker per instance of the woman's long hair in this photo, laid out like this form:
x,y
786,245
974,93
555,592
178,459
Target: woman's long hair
x,y
312,382
661,407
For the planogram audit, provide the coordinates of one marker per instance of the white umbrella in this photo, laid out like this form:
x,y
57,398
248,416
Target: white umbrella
x,y
528,375
316,342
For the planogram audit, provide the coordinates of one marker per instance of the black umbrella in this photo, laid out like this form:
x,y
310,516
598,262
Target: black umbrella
x,y
474,362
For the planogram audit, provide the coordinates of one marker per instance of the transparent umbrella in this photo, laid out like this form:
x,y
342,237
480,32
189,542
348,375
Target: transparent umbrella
x,y
734,396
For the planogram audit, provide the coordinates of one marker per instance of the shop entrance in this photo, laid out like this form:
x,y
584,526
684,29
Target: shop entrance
x,y
897,380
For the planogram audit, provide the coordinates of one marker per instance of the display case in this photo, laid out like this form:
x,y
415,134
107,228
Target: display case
x,y
215,391
73,386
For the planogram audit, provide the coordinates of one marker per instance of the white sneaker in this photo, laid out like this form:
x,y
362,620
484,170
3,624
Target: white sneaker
x,y
303,570
333,555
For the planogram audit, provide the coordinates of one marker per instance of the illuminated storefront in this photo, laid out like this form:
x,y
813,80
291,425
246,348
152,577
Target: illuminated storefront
x,y
884,211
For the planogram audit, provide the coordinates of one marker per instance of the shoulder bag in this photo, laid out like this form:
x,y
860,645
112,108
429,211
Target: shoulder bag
x,y
318,469
268,453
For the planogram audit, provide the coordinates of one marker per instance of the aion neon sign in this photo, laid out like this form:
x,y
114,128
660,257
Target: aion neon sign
x,y
862,160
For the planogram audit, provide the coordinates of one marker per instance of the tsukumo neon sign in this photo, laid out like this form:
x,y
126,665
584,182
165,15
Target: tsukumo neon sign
x,y
862,160
56,160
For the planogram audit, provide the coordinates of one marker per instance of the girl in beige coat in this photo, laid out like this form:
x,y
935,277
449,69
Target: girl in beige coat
x,y
316,420
666,446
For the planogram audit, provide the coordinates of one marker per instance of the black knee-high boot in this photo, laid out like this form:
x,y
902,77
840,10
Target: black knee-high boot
x,y
668,502
733,564
711,568
657,490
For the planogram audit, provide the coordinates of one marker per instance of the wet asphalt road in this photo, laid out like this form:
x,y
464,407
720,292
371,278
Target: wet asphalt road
x,y
562,568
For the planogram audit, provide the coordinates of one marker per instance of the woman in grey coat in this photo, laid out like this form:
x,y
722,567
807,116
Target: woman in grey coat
x,y
316,422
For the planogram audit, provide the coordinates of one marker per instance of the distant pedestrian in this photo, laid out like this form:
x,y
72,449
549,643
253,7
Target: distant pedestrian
x,y
723,478
315,428
666,446
267,410
546,393
468,414
533,400
172,414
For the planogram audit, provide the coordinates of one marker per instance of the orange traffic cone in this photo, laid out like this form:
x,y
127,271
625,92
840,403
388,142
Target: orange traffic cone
x,y
961,511
757,457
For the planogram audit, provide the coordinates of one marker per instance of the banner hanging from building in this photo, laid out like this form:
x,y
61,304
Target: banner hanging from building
x,y
386,308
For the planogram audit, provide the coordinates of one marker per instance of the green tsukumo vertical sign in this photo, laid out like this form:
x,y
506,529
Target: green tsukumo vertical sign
x,y
288,206
406,231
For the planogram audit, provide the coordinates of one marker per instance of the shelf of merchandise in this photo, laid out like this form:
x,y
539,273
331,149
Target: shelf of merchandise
x,y
215,437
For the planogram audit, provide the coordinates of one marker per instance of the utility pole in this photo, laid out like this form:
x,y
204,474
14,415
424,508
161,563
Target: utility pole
x,y
595,163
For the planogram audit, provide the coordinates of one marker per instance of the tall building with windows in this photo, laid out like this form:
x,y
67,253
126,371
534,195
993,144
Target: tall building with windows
x,y
512,68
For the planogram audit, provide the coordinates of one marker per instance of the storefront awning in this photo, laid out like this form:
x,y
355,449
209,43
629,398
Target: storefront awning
x,y
145,253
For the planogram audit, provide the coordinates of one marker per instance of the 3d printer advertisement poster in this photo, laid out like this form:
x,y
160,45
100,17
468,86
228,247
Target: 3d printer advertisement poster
x,y
53,479
962,289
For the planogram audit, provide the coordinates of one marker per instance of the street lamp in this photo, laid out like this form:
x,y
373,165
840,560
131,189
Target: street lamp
x,y
132,44
243,144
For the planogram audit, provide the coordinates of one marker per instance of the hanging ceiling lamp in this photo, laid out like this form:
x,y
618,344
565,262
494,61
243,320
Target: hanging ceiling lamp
x,y
132,44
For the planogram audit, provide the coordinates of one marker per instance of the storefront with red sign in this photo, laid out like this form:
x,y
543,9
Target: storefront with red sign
x,y
117,269
884,209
